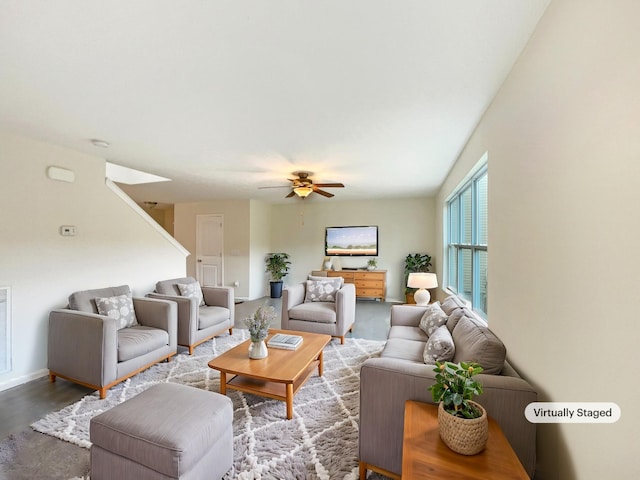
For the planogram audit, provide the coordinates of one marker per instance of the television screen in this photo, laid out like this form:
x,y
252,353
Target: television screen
x,y
351,241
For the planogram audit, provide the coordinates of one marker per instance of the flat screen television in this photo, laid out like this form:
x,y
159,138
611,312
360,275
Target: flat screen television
x,y
351,241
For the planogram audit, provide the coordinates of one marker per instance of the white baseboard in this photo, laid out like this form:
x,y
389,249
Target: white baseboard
x,y
14,382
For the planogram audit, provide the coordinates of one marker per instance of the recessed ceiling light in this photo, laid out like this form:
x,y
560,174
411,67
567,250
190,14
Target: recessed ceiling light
x,y
99,143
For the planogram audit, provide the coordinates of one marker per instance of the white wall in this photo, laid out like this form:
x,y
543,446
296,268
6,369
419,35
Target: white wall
x,y
113,245
260,240
404,226
564,178
236,238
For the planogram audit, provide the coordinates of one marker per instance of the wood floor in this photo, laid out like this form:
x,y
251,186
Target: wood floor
x,y
22,405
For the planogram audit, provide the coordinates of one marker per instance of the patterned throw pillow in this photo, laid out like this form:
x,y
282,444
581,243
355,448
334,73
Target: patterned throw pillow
x,y
119,308
439,347
192,290
322,290
432,318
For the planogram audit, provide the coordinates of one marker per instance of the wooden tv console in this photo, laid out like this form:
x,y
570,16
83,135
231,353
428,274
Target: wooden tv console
x,y
369,283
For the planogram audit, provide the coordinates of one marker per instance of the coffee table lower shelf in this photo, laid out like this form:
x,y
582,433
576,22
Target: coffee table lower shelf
x,y
264,388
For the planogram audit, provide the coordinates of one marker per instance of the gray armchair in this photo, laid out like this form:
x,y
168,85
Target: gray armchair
x,y
333,318
88,348
199,323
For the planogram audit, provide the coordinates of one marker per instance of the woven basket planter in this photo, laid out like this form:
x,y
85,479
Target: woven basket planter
x,y
463,435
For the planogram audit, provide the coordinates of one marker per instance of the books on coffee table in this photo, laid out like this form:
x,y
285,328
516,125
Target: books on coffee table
x,y
282,340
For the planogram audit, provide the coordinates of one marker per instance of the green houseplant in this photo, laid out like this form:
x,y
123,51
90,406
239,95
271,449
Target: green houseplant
x,y
277,265
372,263
464,426
414,262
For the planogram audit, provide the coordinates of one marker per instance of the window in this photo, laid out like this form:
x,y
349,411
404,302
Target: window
x,y
466,243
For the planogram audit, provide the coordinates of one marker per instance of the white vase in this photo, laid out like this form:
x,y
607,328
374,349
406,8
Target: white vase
x,y
258,350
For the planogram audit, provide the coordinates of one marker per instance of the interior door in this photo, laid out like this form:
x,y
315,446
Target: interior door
x,y
209,259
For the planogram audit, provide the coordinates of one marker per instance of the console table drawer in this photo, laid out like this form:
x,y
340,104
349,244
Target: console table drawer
x,y
369,284
371,275
369,292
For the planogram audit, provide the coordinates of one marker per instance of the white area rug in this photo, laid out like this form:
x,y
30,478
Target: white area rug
x,y
321,441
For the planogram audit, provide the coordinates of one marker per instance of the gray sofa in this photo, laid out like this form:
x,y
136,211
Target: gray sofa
x,y
400,374
90,349
199,323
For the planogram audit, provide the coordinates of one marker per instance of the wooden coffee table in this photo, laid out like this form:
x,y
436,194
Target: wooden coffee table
x,y
424,454
280,375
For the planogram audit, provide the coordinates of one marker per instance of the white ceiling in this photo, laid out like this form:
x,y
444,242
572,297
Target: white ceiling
x,y
225,97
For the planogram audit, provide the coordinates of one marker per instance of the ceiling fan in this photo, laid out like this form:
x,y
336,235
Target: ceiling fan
x,y
303,186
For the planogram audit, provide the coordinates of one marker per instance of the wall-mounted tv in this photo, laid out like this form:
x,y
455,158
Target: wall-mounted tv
x,y
351,241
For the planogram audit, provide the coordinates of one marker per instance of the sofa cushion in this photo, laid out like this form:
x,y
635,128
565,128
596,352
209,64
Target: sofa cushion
x,y
404,349
208,316
324,279
192,290
170,287
454,318
439,347
120,308
322,312
136,341
322,290
452,303
476,343
432,318
84,301
407,332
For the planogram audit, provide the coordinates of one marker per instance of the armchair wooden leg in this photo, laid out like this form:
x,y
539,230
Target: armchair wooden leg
x,y
52,377
103,393
190,349
342,340
231,331
363,471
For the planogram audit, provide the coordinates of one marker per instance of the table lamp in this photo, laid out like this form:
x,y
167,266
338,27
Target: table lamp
x,y
422,281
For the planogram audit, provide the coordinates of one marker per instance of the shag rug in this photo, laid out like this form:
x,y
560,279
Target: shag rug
x,y
321,441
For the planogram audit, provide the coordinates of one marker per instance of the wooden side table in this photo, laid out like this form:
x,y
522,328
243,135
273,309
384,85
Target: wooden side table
x,y
425,456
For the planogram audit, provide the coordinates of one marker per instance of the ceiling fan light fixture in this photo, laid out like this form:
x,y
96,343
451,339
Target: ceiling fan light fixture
x,y
303,192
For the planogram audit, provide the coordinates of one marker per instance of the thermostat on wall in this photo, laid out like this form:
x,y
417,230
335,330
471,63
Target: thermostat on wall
x,y
68,230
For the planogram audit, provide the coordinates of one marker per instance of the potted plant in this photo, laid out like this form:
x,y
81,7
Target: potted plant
x,y
414,262
372,263
463,423
258,325
277,265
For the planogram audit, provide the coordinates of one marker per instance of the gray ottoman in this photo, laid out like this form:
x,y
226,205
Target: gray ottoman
x,y
168,431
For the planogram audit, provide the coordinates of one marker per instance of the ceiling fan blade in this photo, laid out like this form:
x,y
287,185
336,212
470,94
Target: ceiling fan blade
x,y
279,186
322,192
335,185
291,194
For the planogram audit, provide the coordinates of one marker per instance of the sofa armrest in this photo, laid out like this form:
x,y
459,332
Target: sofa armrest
x,y
345,307
83,346
406,315
187,315
221,297
156,313
387,383
218,296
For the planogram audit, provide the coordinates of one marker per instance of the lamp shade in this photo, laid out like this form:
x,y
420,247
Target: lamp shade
x,y
303,191
422,280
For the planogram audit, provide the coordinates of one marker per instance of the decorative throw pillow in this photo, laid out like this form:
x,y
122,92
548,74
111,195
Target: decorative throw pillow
x,y
432,318
120,308
324,279
322,290
439,347
192,290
